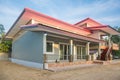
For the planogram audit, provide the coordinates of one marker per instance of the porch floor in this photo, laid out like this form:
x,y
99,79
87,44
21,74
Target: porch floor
x,y
71,67
58,67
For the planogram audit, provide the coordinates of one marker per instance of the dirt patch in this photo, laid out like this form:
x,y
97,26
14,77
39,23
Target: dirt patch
x,y
11,71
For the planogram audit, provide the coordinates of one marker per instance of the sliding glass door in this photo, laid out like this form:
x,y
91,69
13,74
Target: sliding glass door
x,y
64,51
81,52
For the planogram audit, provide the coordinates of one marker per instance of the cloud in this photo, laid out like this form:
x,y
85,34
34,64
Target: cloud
x,y
8,15
103,11
66,10
72,12
110,20
9,10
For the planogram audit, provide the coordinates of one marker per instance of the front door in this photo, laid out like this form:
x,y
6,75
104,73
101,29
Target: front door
x,y
81,52
64,51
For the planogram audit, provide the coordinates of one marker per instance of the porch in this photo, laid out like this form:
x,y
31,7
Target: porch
x,y
78,64
63,51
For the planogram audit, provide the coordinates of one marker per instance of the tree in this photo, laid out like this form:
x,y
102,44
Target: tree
x,y
2,32
2,29
5,45
116,39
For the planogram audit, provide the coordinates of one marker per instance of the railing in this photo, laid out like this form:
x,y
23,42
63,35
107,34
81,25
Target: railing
x,y
114,46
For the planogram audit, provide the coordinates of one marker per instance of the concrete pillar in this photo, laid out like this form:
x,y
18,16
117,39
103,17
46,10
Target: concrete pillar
x,y
45,65
88,51
99,51
71,51
44,43
108,55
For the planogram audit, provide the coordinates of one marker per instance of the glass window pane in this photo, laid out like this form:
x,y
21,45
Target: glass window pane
x,y
61,52
49,47
84,52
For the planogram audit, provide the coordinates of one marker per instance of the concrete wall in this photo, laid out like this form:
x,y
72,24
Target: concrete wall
x,y
3,56
29,47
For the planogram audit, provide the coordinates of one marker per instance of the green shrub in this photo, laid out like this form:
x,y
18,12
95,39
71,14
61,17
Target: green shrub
x,y
5,46
116,53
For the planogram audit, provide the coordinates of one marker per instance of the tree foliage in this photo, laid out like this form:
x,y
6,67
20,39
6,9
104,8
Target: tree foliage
x,y
116,38
5,45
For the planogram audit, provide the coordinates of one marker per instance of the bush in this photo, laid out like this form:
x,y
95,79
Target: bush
x,y
5,46
116,53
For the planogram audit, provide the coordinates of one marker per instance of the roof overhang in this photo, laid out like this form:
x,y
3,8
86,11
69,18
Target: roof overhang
x,y
106,28
29,14
41,27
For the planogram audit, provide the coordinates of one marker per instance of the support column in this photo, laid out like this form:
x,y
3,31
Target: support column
x,y
88,51
99,51
45,65
71,51
108,54
74,53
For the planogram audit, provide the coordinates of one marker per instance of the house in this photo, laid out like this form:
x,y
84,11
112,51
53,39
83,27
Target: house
x,y
39,40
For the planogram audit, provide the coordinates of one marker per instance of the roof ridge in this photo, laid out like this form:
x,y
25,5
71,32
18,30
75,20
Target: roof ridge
x,y
87,19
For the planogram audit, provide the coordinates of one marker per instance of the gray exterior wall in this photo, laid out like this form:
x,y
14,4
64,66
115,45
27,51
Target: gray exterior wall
x,y
29,47
56,55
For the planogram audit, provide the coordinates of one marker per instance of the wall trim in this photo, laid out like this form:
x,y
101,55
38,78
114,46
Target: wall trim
x,y
27,63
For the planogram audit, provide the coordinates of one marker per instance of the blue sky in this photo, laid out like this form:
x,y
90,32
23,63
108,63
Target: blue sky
x,y
72,11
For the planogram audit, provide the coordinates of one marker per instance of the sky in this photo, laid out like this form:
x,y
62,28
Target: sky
x,y
72,11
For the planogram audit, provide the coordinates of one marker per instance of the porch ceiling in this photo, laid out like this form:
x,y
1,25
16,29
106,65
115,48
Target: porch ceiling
x,y
41,27
51,35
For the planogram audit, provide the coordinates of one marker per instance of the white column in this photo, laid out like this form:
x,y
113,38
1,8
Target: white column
x,y
87,48
88,51
74,53
71,50
71,47
44,43
45,64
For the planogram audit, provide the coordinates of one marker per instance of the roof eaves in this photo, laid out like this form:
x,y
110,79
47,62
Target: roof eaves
x,y
15,22
36,25
113,29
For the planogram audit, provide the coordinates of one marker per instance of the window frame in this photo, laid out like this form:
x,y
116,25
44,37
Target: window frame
x,y
52,47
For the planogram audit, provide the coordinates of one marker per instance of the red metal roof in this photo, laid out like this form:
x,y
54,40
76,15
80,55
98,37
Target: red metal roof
x,y
29,14
55,20
86,20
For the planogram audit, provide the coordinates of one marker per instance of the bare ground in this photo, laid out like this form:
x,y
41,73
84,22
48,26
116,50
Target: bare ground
x,y
11,71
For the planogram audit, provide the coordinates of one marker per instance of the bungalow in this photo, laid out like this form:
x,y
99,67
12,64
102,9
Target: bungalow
x,y
39,40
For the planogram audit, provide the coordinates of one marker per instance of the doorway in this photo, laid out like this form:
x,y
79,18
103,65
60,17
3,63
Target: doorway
x,y
81,52
64,52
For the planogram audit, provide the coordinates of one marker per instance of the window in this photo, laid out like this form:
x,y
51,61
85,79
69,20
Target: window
x,y
49,47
